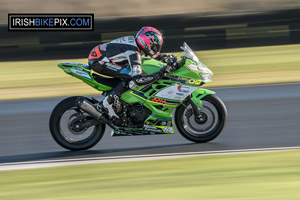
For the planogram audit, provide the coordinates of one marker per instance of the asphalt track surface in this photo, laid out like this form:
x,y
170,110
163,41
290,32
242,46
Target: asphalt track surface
x,y
258,117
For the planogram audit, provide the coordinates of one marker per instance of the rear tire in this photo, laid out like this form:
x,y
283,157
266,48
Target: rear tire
x,y
206,128
63,133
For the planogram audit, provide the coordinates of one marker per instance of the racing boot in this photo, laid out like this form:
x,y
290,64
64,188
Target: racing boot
x,y
106,105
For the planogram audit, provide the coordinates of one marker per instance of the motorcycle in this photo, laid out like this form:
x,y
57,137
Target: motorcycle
x,y
200,116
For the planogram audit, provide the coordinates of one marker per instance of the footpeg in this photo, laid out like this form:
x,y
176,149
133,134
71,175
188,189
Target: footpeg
x,y
108,122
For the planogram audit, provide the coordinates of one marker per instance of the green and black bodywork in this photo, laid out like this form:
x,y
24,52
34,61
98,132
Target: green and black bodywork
x,y
148,109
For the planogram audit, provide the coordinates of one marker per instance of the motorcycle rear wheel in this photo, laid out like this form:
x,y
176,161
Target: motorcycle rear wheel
x,y
205,128
65,127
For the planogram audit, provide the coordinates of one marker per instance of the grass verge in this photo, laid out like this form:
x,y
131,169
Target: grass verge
x,y
251,176
232,67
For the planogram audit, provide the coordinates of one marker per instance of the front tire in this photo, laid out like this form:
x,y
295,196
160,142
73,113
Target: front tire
x,y
63,127
205,128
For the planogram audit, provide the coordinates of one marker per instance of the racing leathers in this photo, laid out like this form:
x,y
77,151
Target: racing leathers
x,y
113,59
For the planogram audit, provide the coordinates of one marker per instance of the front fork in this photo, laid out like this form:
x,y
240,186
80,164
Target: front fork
x,y
195,99
196,109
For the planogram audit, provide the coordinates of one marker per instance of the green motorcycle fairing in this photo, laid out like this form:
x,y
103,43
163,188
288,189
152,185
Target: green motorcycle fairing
x,y
84,73
161,97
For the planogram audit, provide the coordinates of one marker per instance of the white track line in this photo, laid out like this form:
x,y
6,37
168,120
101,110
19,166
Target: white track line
x,y
78,161
259,85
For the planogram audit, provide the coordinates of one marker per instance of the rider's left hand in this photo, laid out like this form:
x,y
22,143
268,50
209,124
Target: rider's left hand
x,y
172,61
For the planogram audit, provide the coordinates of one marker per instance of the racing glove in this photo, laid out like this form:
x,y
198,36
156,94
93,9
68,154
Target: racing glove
x,y
172,64
166,58
151,78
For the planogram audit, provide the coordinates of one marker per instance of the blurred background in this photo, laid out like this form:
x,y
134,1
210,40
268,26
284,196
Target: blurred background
x,y
253,46
203,24
257,40
113,8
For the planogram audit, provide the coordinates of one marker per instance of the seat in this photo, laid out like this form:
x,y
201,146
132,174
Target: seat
x,y
112,82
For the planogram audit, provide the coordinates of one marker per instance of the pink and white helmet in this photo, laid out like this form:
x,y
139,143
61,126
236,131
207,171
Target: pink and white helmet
x,y
149,40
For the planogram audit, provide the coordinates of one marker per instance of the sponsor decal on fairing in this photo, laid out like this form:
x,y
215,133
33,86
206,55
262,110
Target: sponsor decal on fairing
x,y
168,129
184,89
151,128
81,73
176,92
164,129
159,100
201,68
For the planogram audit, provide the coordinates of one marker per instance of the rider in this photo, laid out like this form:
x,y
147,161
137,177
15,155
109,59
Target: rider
x,y
112,59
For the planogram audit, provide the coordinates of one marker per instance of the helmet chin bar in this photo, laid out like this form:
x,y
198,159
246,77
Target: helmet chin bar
x,y
155,55
145,53
142,52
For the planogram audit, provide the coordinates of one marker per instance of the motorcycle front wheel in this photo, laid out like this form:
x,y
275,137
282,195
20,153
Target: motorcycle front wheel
x,y
66,126
206,127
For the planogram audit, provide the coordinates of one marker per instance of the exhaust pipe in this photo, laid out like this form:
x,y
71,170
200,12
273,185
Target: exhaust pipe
x,y
90,109
87,107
